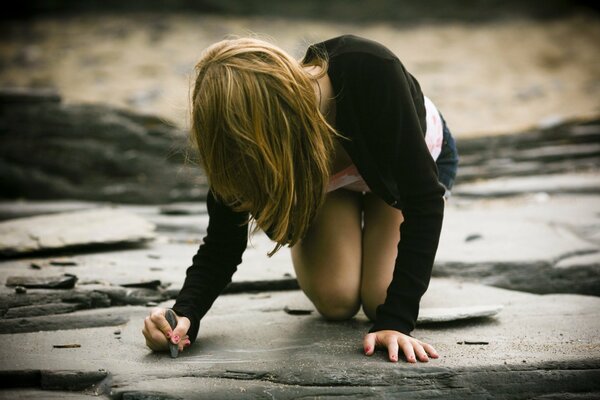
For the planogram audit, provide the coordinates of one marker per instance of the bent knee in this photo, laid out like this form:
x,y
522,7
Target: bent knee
x,y
370,301
338,311
336,306
370,310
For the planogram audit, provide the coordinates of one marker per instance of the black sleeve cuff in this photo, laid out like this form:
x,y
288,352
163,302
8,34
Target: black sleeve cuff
x,y
194,322
382,325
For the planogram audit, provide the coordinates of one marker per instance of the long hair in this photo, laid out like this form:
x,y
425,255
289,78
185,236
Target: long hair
x,y
263,143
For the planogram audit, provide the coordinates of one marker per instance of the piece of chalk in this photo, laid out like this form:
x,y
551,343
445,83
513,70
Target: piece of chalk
x,y
172,320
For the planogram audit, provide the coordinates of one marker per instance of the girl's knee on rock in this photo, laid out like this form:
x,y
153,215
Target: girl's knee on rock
x,y
337,308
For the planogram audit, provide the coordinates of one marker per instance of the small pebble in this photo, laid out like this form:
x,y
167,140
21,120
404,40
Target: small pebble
x,y
473,237
20,289
35,266
117,332
117,337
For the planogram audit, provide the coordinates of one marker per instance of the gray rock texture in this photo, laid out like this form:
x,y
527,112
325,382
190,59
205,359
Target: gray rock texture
x,y
57,322
511,186
248,346
78,228
65,281
539,244
537,346
537,234
52,150
558,148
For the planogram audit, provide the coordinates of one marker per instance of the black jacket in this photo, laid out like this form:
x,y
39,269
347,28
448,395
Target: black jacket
x,y
379,108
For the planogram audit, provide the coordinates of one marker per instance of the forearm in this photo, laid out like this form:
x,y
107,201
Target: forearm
x,y
214,263
412,272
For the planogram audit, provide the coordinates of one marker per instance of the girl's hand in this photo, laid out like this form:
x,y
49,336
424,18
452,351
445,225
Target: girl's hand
x,y
394,340
158,332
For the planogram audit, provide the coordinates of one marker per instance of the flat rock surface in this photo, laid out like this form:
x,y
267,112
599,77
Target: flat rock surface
x,y
446,314
524,243
556,183
166,258
248,346
69,229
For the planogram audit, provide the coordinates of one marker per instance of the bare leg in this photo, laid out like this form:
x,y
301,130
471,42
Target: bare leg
x,y
328,260
381,234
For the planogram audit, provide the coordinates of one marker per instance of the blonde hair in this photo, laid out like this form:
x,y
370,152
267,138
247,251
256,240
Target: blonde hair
x,y
263,143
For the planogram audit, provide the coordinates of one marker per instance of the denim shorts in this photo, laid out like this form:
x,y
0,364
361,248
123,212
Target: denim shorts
x,y
447,161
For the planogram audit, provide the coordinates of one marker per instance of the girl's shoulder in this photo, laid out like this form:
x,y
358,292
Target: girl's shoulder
x,y
349,46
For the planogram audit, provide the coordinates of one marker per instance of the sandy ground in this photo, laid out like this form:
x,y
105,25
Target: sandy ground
x,y
488,78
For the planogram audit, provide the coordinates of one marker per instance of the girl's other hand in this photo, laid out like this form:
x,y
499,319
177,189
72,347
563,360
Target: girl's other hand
x,y
394,341
158,332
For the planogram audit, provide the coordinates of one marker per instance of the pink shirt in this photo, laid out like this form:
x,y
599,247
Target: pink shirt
x,y
349,178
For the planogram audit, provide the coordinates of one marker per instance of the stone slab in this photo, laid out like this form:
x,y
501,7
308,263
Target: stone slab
x,y
26,394
248,346
591,261
70,229
164,259
74,320
449,314
65,281
556,183
511,242
523,243
28,208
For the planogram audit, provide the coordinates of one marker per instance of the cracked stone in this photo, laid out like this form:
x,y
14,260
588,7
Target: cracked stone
x,y
511,186
39,297
65,281
41,309
75,320
523,245
101,226
75,380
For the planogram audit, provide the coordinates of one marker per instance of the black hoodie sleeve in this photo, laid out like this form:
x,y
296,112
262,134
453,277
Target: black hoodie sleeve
x,y
391,104
214,264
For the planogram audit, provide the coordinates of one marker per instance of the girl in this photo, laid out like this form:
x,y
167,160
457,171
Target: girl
x,y
333,156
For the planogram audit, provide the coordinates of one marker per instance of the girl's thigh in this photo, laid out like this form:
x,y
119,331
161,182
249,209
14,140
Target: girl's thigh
x,y
381,234
328,259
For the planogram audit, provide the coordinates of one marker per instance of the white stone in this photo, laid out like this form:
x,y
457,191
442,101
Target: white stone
x,y
87,227
446,314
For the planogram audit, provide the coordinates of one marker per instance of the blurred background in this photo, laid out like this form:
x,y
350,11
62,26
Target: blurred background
x,y
116,75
